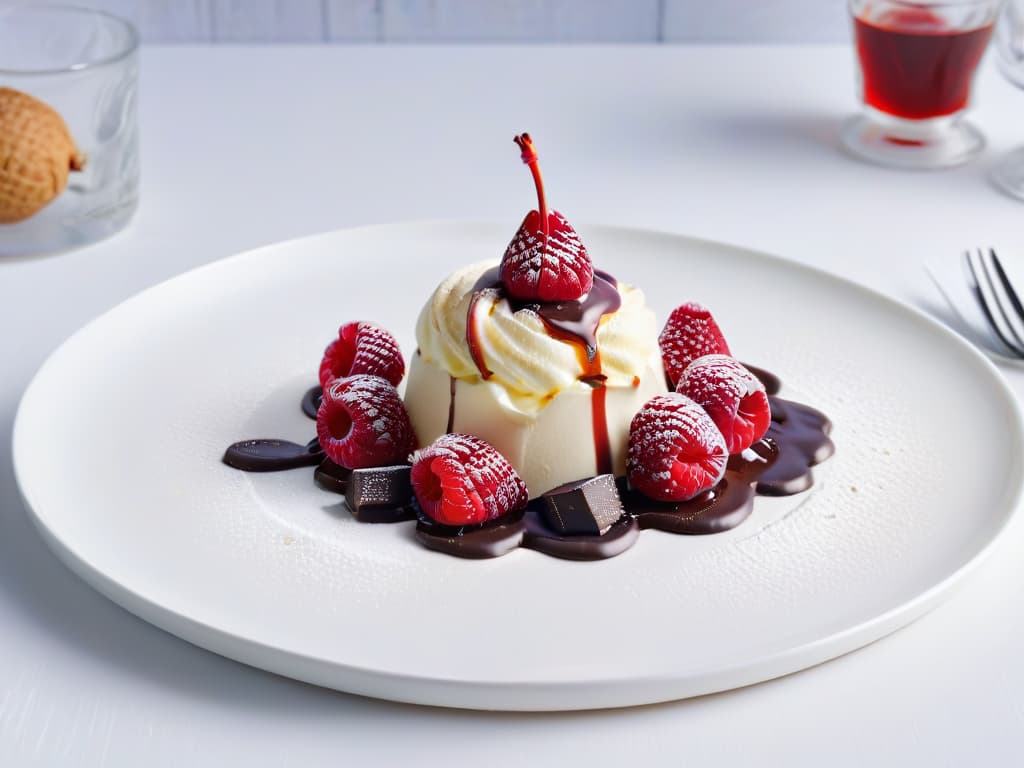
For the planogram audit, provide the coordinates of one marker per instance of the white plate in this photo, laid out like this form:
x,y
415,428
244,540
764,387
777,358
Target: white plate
x,y
118,440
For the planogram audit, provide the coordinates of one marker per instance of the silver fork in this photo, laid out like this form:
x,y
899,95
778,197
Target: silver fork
x,y
997,298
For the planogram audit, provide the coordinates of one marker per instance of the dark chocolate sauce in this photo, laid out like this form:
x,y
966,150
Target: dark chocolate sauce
x,y
384,514
723,507
270,455
801,434
616,540
493,539
576,321
777,465
311,401
599,425
579,320
528,530
472,338
772,383
331,476
451,405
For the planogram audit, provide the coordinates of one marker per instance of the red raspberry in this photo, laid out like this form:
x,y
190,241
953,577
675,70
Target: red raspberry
x,y
690,332
362,423
362,348
675,449
463,480
733,397
546,267
546,260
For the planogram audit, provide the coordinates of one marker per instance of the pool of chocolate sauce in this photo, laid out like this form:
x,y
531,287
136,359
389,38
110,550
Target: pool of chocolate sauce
x,y
777,465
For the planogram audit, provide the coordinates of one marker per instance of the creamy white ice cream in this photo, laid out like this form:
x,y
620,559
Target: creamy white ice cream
x,y
534,407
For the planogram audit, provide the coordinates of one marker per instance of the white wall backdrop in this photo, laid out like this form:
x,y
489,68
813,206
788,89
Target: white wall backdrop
x,y
372,21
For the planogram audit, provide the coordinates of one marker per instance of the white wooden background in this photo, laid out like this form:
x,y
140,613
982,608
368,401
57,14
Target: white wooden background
x,y
372,21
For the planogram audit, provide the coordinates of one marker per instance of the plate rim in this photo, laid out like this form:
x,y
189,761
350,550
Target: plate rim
x,y
527,695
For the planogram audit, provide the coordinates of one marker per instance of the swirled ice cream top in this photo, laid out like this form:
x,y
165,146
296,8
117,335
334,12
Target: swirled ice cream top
x,y
522,356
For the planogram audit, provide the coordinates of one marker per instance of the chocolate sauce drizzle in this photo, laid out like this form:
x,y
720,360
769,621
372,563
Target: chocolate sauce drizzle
x,y
452,384
271,455
574,322
777,465
311,401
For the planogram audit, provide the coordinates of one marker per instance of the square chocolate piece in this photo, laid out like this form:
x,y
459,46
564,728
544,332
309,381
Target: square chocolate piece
x,y
583,508
389,487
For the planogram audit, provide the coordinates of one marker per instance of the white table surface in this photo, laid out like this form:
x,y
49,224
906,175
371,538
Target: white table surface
x,y
245,146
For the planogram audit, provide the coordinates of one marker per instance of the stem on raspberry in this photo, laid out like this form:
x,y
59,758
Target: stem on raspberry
x,y
529,155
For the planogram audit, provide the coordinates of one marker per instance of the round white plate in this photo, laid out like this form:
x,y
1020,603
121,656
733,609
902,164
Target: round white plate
x,y
118,441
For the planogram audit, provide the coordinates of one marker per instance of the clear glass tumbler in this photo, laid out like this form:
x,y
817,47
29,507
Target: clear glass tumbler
x,y
69,158
917,63
1008,173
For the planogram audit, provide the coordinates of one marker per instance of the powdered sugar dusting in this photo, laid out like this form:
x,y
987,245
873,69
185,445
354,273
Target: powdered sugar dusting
x,y
484,485
362,348
731,395
675,449
380,433
689,333
552,268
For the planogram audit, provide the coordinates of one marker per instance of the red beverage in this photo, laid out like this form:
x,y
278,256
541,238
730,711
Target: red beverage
x,y
914,66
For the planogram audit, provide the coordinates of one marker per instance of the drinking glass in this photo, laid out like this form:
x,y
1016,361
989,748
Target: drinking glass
x,y
917,60
82,65
1008,173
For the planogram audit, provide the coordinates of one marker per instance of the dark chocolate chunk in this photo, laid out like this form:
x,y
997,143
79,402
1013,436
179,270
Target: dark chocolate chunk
x,y
586,507
269,455
377,494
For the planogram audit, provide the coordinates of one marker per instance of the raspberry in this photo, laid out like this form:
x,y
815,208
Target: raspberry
x,y
362,348
690,332
362,423
546,260
675,449
551,266
733,397
463,480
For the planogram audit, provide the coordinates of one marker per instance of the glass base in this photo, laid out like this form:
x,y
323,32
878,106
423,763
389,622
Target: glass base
x,y
1008,174
60,227
882,139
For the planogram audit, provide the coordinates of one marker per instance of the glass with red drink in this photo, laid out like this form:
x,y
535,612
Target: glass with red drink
x,y
917,62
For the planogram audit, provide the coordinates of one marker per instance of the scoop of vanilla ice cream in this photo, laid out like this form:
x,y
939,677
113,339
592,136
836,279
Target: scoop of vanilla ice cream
x,y
533,407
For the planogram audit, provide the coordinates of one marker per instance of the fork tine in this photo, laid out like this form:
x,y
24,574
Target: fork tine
x,y
982,290
1004,301
1001,273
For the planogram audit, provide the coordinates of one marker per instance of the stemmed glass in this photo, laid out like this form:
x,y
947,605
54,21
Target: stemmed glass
x,y
917,60
1008,174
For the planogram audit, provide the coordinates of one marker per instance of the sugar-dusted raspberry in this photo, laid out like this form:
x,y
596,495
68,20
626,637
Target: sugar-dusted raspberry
x,y
546,266
463,480
733,397
546,260
690,332
362,422
675,449
362,347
